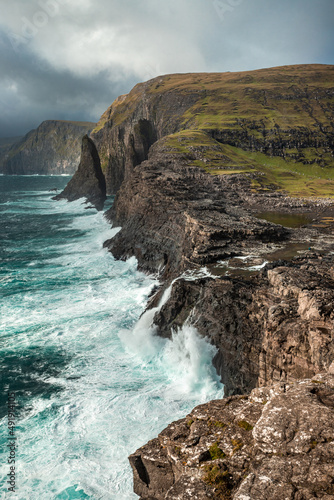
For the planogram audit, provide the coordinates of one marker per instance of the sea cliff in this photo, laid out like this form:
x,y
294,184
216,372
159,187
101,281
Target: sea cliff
x,y
193,159
53,148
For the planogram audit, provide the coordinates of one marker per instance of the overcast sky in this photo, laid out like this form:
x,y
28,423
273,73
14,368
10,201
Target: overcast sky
x,y
69,59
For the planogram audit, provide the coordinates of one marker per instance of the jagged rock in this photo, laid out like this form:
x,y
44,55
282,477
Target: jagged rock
x,y
277,326
277,443
174,214
88,181
53,148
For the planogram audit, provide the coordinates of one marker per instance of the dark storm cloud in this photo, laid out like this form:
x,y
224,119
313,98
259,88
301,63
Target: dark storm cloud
x,y
68,59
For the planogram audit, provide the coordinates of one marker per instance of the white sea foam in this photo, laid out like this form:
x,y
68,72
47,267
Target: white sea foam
x,y
114,384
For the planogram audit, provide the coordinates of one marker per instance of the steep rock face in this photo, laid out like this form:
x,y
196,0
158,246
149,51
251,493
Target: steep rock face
x,y
175,215
275,327
131,125
88,181
277,443
5,145
176,218
53,148
285,112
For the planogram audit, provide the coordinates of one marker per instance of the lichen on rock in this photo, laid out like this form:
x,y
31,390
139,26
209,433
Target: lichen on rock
x,y
286,450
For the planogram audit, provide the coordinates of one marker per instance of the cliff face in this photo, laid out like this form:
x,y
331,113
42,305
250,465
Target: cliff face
x,y
276,327
276,443
192,157
176,216
5,146
282,112
175,219
53,148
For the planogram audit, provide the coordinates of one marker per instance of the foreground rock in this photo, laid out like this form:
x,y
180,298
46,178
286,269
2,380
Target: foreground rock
x,y
277,443
53,148
88,181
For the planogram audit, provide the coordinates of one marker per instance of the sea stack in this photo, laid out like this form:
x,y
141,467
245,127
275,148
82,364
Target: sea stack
x,y
88,181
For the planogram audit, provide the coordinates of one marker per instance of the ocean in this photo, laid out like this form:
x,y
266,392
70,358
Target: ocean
x,y
84,379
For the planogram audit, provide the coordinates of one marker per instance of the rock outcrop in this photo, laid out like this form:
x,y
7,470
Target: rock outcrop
x,y
175,215
274,327
53,148
276,443
88,181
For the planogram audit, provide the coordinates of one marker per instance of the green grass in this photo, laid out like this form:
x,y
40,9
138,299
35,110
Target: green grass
x,y
296,178
245,425
262,106
207,153
268,173
216,452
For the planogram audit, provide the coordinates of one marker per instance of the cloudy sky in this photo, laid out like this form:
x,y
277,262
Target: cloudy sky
x,y
69,59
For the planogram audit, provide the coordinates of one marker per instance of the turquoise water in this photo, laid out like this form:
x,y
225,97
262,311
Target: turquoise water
x,y
91,381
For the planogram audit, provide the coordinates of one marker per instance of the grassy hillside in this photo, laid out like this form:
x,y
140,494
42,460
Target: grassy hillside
x,y
268,173
275,122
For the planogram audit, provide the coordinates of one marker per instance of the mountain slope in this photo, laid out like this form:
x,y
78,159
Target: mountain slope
x,y
53,148
285,112
6,143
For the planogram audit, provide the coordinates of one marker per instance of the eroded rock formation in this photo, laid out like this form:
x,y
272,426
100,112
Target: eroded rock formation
x,y
277,443
88,181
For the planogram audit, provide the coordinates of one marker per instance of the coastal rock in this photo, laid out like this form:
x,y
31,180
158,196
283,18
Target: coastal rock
x,y
276,443
53,148
175,218
88,181
174,215
275,327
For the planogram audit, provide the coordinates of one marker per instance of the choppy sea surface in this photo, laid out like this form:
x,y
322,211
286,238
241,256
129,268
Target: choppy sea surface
x,y
91,380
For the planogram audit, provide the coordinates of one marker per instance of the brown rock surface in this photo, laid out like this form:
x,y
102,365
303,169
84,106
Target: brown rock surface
x,y
277,443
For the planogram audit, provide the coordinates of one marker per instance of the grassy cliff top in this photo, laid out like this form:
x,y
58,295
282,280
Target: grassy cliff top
x,y
276,96
276,121
267,173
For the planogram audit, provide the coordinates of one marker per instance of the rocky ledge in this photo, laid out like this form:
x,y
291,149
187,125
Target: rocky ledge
x,y
176,216
277,443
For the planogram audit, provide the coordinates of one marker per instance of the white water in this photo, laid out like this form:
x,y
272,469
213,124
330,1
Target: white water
x,y
116,384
